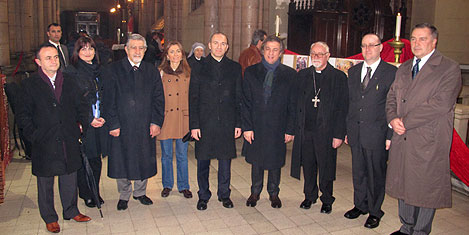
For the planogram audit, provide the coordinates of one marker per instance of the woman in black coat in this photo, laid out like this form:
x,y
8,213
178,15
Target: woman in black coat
x,y
85,69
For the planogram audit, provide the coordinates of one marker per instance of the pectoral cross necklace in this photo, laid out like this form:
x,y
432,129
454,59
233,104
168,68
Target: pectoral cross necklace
x,y
315,100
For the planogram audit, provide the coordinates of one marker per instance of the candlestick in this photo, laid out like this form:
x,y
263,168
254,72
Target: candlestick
x,y
398,26
277,25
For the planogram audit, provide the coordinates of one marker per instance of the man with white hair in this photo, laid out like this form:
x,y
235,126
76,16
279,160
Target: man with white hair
x,y
321,111
134,108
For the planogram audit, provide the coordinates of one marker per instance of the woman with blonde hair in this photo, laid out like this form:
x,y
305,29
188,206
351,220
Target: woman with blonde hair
x,y
175,74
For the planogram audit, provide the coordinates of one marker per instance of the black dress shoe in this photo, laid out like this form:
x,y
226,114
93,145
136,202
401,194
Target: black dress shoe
x,y
144,200
275,201
187,193
326,208
306,204
252,200
398,232
227,203
165,192
372,222
202,205
122,205
353,213
89,203
101,200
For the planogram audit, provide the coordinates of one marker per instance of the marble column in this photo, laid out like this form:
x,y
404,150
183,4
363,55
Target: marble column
x,y
4,34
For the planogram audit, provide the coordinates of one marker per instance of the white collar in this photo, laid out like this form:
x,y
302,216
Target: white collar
x,y
53,43
423,60
132,63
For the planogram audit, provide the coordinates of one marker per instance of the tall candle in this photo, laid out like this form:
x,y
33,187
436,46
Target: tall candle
x,y
277,25
398,26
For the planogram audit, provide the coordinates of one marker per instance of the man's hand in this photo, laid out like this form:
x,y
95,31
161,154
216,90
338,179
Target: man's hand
x,y
237,133
155,130
249,136
346,140
336,143
388,144
195,133
398,126
289,138
115,132
97,122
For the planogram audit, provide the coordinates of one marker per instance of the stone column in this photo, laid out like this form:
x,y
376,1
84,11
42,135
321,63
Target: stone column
x,y
211,19
225,21
40,22
249,20
57,11
4,34
172,20
47,13
265,15
464,95
461,118
54,10
27,25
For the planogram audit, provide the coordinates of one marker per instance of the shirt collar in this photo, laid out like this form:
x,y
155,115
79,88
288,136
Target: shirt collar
x,y
53,43
133,64
423,60
373,67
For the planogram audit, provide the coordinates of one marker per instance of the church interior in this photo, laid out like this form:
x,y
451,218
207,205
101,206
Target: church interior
x,y
298,23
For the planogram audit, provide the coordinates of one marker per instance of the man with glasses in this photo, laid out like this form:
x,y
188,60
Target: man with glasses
x,y
134,110
367,130
321,110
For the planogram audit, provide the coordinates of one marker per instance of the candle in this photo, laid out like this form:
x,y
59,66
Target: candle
x,y
277,25
398,26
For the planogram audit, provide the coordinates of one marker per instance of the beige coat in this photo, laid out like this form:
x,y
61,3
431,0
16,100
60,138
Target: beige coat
x,y
418,167
176,116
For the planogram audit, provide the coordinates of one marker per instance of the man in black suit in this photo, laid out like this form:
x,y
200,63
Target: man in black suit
x,y
367,131
54,32
51,105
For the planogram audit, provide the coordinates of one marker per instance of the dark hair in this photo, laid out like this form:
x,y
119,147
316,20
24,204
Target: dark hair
x,y
373,34
165,65
431,27
220,33
79,44
257,36
53,24
273,38
44,46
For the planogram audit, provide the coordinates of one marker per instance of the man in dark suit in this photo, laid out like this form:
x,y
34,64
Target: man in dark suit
x,y
50,107
215,95
367,131
420,109
54,32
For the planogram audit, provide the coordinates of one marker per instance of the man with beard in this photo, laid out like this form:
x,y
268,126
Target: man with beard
x,y
135,104
214,117
268,118
322,108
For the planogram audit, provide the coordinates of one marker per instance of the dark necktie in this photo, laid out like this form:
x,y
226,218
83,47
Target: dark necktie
x,y
367,77
415,69
135,68
61,57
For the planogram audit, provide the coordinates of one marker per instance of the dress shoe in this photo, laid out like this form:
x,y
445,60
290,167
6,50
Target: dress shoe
x,y
187,193
252,200
165,192
101,200
53,227
306,204
144,200
326,208
227,203
122,205
398,232
80,218
372,222
275,201
353,213
89,203
202,205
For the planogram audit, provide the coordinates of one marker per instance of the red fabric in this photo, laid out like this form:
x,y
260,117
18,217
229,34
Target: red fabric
x,y
388,52
459,158
288,52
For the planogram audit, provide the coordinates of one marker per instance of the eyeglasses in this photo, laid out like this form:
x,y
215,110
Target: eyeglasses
x,y
369,46
319,55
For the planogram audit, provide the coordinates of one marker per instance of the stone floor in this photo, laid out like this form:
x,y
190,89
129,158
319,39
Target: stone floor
x,y
19,213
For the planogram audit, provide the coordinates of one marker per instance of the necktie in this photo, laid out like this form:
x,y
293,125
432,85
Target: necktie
x,y
135,68
61,57
415,69
366,80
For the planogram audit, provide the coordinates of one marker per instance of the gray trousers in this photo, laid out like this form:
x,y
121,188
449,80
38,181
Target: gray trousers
x,y
415,220
124,187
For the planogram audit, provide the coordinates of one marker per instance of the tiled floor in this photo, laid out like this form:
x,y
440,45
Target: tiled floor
x,y
19,213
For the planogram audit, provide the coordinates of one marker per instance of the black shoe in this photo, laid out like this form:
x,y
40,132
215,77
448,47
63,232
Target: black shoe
x,y
202,205
89,203
353,213
326,208
372,222
122,205
165,192
144,200
252,200
398,232
187,193
306,204
227,203
275,201
101,200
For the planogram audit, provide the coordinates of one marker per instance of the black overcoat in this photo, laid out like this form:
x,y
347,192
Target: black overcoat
x,y
51,125
270,122
135,101
332,111
85,76
215,95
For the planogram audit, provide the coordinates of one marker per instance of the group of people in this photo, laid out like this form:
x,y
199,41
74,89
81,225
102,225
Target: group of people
x,y
126,106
